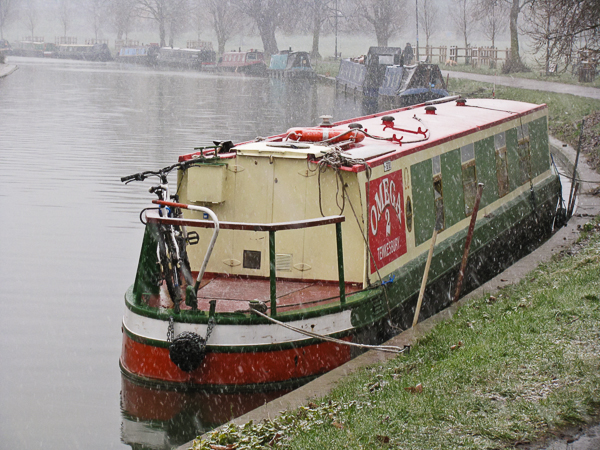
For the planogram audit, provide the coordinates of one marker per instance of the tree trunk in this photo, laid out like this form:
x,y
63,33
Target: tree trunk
x,y
161,31
267,34
514,33
383,36
316,31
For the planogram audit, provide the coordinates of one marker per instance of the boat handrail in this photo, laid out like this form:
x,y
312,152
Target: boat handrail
x,y
224,225
271,228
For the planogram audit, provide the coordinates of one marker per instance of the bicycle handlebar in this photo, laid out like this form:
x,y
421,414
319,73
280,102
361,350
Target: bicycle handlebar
x,y
157,173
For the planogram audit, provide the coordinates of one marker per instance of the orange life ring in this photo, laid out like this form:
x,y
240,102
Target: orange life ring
x,y
319,134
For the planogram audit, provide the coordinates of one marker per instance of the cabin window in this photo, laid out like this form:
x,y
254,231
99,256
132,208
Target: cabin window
x,y
523,152
501,164
251,57
438,192
469,175
251,259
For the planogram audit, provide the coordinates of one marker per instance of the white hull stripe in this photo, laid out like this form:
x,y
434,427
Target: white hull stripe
x,y
240,335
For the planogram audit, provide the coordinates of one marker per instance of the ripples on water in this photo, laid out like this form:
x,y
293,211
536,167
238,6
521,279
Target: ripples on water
x,y
69,230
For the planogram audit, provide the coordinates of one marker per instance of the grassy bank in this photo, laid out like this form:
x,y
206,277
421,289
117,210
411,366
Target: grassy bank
x,y
505,370
537,73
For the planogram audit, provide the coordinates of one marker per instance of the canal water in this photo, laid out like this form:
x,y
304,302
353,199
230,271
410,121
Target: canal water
x,y
70,236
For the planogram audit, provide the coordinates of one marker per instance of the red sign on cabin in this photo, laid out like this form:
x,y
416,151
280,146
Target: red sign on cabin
x,y
387,236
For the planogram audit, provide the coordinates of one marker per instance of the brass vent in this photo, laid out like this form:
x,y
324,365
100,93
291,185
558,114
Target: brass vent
x,y
283,262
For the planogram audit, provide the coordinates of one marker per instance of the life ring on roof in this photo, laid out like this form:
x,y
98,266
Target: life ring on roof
x,y
320,134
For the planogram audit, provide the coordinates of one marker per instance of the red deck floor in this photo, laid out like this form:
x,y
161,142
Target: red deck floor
x,y
233,294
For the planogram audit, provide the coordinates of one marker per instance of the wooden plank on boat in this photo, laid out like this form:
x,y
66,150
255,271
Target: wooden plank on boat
x,y
247,226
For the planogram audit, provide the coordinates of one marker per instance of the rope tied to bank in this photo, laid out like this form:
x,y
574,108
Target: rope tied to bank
x,y
381,348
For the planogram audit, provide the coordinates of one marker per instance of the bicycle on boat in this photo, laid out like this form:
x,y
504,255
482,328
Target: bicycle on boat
x,y
174,265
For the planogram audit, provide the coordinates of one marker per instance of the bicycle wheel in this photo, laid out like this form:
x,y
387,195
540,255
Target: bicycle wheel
x,y
168,261
184,266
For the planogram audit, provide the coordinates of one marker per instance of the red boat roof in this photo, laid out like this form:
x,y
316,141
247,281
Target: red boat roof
x,y
411,129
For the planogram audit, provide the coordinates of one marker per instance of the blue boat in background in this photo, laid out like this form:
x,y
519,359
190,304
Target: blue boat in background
x,y
289,64
382,73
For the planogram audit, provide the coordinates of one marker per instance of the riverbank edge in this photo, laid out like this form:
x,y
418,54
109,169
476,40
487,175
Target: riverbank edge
x,y
588,207
7,69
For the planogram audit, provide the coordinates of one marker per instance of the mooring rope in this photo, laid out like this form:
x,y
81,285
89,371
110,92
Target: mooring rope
x,y
381,348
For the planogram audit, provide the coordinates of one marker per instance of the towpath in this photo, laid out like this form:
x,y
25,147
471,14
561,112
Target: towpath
x,y
524,83
7,69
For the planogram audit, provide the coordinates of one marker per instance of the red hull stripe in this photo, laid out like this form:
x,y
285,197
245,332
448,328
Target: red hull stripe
x,y
235,368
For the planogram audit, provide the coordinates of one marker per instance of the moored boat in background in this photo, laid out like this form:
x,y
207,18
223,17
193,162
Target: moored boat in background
x,y
86,52
289,64
324,237
251,62
382,73
197,57
33,47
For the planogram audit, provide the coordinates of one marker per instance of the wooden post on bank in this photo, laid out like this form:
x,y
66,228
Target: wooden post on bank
x,y
463,265
425,275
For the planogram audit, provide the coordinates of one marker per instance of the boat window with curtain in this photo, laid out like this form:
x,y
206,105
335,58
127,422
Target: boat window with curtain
x,y
469,176
524,152
438,192
501,164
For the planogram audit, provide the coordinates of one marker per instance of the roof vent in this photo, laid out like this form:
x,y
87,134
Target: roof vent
x,y
461,102
430,110
355,126
325,121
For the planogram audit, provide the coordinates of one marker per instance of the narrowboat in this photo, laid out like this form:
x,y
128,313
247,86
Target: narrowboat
x,y
86,52
34,48
324,237
251,62
382,73
138,54
185,58
289,64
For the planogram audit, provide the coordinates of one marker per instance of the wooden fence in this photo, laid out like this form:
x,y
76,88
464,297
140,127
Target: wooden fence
x,y
475,56
65,40
96,41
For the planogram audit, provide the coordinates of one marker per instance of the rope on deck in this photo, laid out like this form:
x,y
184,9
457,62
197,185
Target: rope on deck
x,y
381,348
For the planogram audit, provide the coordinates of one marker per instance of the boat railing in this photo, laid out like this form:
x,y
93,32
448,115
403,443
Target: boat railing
x,y
271,228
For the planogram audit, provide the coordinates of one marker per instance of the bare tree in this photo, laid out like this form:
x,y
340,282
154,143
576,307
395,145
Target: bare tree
x,y
65,15
97,10
224,18
30,15
268,15
121,14
385,17
8,10
320,11
557,27
463,14
163,13
428,17
491,16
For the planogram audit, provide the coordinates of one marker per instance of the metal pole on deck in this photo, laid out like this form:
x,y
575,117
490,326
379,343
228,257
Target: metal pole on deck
x,y
272,273
340,257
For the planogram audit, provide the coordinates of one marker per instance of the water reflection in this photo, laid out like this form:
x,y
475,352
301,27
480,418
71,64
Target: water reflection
x,y
70,236
163,419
